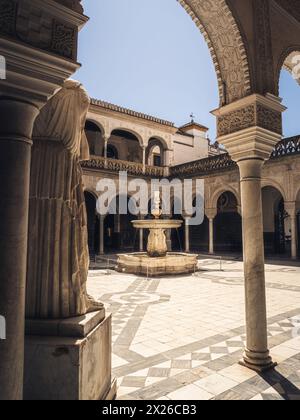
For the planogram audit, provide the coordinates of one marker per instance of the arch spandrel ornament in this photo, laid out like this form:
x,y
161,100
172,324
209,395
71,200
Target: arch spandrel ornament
x,y
221,32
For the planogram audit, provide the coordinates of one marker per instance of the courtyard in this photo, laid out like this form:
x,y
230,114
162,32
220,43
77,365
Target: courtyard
x,y
181,338
211,94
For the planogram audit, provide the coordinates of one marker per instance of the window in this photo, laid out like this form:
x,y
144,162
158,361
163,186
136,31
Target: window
x,y
157,160
112,152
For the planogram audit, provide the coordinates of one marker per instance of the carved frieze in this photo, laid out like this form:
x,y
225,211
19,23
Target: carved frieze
x,y
264,68
236,120
250,116
32,24
63,39
269,119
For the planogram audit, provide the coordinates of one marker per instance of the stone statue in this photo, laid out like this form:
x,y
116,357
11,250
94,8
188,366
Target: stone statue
x,y
58,257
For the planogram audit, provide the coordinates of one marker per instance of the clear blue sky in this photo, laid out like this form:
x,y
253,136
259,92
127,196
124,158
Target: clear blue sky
x,y
149,55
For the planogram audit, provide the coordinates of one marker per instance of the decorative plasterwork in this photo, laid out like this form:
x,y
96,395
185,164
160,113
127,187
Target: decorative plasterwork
x,y
216,22
45,25
252,115
254,111
264,67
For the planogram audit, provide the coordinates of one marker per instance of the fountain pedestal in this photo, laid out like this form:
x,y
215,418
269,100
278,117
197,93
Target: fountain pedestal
x,y
157,243
157,261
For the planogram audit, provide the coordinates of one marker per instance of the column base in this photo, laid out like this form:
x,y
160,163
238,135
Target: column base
x,y
259,362
69,359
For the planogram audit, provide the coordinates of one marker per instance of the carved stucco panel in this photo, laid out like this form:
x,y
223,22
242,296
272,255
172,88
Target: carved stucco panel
x,y
250,116
32,24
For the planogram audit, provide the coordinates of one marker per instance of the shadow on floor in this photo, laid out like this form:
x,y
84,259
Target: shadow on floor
x,y
282,385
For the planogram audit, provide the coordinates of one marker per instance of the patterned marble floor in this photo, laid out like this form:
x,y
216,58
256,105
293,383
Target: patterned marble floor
x,y
181,338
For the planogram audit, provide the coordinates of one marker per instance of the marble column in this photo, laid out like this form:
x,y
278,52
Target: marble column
x,y
250,147
211,214
106,138
187,234
256,354
101,234
290,207
294,231
144,159
211,236
17,119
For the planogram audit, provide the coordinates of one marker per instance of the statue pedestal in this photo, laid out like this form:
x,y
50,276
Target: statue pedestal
x,y
69,359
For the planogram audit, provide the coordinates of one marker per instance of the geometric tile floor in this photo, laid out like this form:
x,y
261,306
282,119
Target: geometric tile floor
x,y
180,338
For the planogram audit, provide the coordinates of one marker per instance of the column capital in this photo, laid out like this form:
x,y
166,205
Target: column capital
x,y
211,213
251,143
36,66
251,127
251,168
101,216
106,138
291,208
264,111
186,216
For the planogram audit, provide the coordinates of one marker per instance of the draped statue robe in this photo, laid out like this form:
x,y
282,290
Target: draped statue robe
x,y
58,257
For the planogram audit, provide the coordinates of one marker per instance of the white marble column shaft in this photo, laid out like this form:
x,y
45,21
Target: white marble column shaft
x,y
256,354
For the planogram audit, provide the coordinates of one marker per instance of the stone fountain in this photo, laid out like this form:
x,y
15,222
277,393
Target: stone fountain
x,y
157,261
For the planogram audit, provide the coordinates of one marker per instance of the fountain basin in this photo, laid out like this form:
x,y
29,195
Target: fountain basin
x,y
157,224
157,241
171,264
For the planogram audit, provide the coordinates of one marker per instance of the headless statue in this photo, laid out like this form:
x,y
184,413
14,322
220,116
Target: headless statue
x,y
58,257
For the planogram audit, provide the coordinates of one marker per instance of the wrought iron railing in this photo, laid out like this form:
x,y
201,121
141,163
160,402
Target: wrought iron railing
x,y
287,147
115,165
204,166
